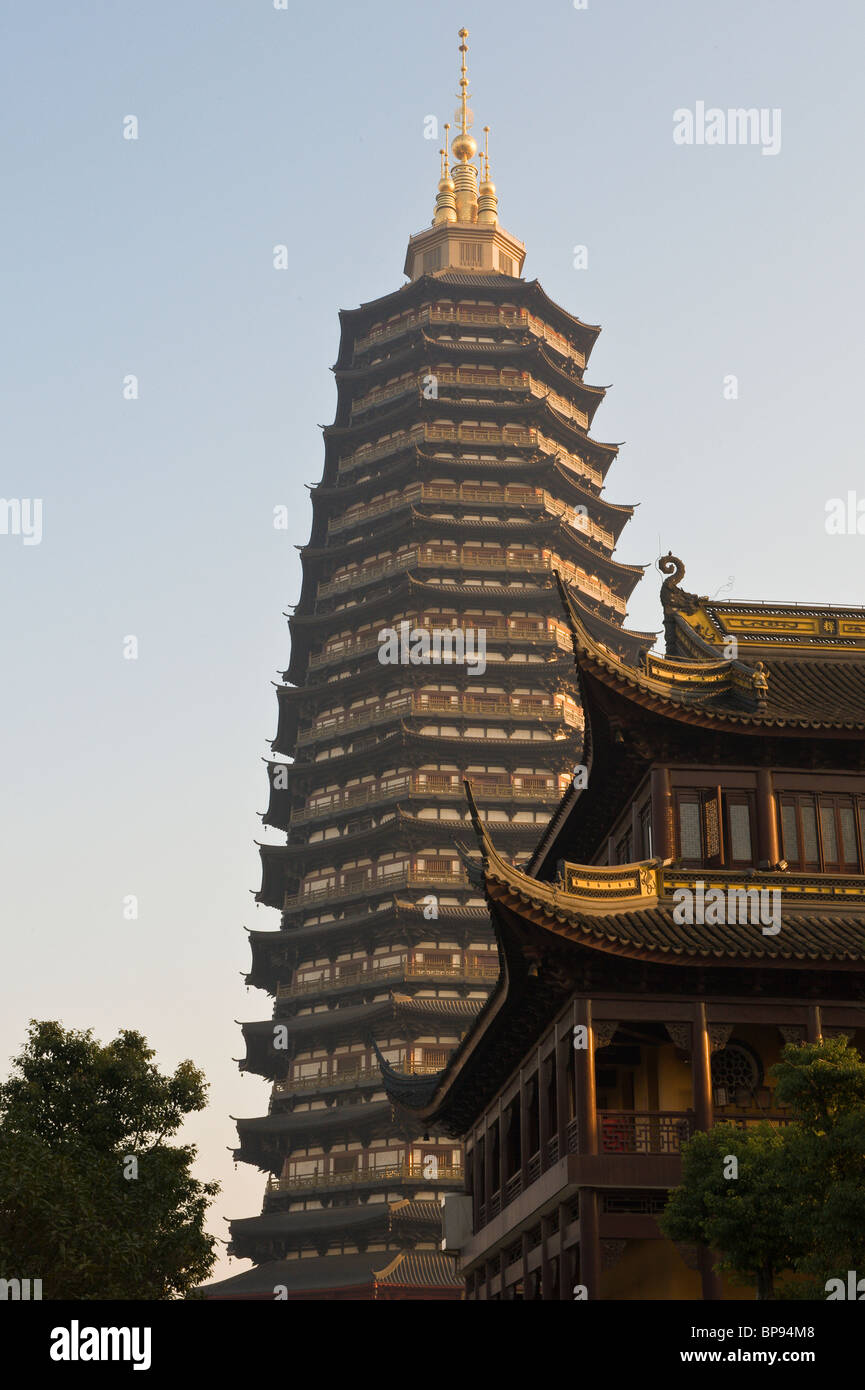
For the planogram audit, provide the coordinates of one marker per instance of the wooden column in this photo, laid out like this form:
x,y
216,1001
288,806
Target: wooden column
x,y
815,1023
564,1291
701,1070
636,845
562,1099
524,1240
701,1080
524,1133
584,1068
547,1292
590,1243
488,1171
502,1156
662,813
477,1185
543,1110
767,819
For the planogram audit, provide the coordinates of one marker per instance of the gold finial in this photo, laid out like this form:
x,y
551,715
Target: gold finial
x,y
464,146
487,202
445,208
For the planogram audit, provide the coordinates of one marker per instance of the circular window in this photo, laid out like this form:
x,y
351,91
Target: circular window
x,y
737,1067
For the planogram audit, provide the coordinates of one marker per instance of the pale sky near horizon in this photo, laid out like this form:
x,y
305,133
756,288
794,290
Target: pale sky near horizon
x,y
154,257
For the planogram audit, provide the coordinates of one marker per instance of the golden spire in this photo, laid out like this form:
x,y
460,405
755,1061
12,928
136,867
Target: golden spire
x,y
446,206
464,174
487,201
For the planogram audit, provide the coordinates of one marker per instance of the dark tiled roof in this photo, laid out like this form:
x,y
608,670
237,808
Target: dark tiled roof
x,y
420,1269
346,1271
300,1122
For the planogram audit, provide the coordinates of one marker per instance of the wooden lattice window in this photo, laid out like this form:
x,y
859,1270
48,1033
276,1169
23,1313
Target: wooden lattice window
x,y
820,832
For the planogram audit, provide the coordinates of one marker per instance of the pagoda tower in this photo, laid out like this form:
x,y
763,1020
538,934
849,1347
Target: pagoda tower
x,y
428,645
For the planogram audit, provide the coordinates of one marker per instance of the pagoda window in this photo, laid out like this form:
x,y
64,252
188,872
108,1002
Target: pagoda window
x,y
715,828
819,832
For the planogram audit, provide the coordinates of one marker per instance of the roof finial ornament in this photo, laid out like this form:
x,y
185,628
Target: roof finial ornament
x,y
446,204
465,147
488,203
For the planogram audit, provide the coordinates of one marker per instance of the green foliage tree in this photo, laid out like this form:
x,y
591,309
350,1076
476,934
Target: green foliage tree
x,y
798,1202
93,1200
745,1218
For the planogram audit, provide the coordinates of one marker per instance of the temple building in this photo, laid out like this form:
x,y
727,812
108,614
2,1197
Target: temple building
x,y
695,906
428,646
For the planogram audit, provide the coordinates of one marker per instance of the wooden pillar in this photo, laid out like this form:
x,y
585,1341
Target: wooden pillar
x,y
524,1240
477,1184
584,1067
546,1268
815,1023
562,1100
663,840
767,819
611,850
701,1070
590,1243
488,1171
543,1110
564,1292
503,1156
636,846
524,1133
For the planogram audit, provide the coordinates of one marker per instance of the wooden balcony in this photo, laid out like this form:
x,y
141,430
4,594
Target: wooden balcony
x,y
370,976
412,878
473,557
424,786
394,1172
513,631
515,708
480,317
323,1081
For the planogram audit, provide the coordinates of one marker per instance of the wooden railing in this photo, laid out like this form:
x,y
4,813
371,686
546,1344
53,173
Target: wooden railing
x,y
407,706
324,1080
514,631
473,557
499,317
411,878
424,785
635,1132
412,1172
466,492
405,970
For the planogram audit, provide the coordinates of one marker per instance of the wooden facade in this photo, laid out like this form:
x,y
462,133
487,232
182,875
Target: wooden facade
x,y
699,904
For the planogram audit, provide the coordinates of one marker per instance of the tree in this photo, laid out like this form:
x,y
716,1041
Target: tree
x,y
93,1200
734,1200
797,1203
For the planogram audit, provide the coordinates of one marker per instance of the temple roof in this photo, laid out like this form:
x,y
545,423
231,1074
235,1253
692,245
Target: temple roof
x,y
791,693
699,626
545,931
410,1269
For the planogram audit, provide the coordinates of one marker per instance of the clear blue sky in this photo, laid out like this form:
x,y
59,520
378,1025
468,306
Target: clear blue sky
x,y
154,257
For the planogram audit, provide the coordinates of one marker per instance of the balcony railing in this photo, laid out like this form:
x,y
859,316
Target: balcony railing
x,y
482,317
423,786
411,878
407,970
333,1080
394,1172
469,558
513,632
410,705
633,1132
